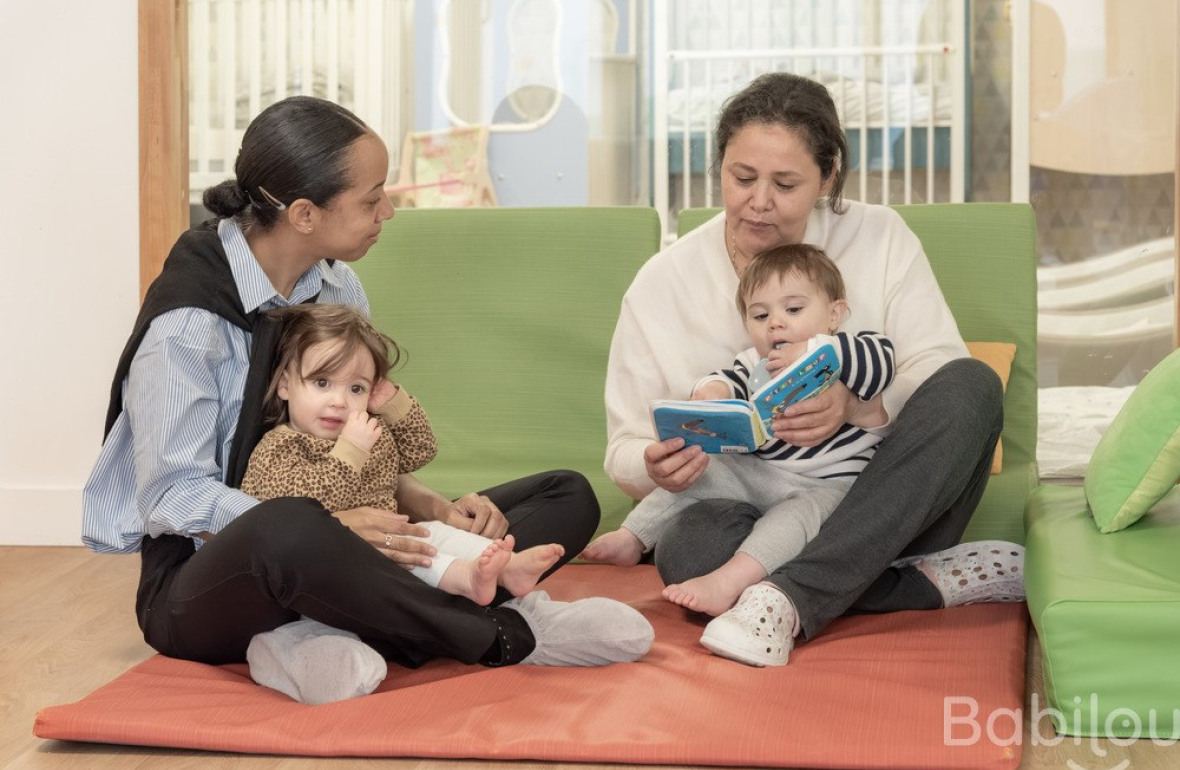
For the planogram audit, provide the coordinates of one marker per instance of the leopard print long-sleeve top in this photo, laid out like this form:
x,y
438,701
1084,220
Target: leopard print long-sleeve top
x,y
339,474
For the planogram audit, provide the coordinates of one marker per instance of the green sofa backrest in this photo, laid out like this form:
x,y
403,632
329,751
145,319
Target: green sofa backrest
x,y
505,318
984,257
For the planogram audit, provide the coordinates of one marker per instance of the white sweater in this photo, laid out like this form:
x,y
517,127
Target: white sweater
x,y
679,320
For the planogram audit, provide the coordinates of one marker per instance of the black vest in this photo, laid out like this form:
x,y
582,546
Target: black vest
x,y
197,274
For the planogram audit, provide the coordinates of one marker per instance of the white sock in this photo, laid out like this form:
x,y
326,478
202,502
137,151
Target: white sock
x,y
595,631
314,663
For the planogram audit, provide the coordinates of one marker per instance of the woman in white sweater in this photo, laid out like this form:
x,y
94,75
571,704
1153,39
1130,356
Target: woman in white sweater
x,y
783,162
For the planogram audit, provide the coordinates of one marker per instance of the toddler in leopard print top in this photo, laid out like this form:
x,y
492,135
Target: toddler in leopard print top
x,y
345,436
331,371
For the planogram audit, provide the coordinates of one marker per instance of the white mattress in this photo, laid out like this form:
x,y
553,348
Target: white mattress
x,y
1118,288
701,103
1147,321
1070,421
1100,268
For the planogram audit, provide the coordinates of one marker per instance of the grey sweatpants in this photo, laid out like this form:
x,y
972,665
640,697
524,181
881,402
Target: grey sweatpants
x,y
792,506
914,497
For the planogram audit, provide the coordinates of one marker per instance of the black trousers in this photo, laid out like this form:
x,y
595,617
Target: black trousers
x,y
288,557
914,497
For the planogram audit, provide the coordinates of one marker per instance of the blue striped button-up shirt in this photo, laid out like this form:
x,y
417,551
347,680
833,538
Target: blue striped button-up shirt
x,y
162,467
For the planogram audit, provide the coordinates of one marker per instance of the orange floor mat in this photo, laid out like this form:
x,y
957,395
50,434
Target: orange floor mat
x,y
871,692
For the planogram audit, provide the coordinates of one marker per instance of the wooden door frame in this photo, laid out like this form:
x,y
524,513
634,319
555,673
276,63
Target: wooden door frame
x,y
163,132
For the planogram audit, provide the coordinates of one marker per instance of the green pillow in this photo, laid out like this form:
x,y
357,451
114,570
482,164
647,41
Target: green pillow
x,y
1137,461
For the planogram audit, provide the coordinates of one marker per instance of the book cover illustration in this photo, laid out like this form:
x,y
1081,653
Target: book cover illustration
x,y
718,427
804,379
737,426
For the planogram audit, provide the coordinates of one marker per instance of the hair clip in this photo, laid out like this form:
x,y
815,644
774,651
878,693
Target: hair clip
x,y
272,200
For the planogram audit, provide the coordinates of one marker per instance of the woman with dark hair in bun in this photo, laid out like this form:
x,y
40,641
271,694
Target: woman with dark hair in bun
x,y
892,543
218,567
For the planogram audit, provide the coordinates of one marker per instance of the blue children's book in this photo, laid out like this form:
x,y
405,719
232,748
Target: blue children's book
x,y
735,426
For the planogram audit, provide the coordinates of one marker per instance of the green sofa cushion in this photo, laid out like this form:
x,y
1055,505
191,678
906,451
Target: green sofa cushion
x,y
1137,460
1107,612
505,317
1000,513
984,257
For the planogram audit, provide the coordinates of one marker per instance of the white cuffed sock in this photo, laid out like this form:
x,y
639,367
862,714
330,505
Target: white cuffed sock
x,y
314,663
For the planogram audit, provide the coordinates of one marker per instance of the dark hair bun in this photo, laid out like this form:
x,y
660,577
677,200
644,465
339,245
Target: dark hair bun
x,y
226,199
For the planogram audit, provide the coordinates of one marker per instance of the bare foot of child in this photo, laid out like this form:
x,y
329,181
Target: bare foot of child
x,y
709,594
477,578
525,567
719,590
620,548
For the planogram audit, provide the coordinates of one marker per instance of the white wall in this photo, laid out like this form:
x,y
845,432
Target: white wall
x,y
69,241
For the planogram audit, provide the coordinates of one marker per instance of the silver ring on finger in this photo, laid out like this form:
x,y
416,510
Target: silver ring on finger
x,y
388,539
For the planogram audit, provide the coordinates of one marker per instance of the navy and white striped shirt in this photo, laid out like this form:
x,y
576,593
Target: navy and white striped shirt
x,y
866,368
162,467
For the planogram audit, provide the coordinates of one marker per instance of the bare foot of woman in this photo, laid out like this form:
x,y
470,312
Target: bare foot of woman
x,y
477,578
525,568
719,590
620,548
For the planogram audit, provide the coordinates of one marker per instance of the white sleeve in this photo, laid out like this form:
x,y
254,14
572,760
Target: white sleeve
x,y
677,321
917,321
722,377
632,382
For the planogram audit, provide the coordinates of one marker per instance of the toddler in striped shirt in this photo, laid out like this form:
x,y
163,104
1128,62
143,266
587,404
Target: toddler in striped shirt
x,y
791,299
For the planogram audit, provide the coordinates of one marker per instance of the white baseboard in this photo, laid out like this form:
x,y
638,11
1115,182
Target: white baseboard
x,y
40,516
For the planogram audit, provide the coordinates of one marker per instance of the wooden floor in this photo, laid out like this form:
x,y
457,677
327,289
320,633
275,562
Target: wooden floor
x,y
67,626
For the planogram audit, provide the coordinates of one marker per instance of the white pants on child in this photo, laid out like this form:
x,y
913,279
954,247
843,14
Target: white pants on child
x,y
793,506
451,543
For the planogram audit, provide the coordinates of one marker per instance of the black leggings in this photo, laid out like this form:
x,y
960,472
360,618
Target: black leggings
x,y
289,557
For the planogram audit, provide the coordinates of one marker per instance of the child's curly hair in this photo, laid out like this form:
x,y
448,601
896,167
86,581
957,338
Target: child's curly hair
x,y
307,325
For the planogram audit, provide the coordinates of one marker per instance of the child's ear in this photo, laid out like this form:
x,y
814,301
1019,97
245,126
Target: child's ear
x,y
281,391
839,312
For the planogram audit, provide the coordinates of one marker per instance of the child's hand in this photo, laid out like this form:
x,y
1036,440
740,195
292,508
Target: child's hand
x,y
383,391
711,390
362,430
784,356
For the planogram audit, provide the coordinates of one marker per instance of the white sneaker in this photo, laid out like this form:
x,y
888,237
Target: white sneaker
x,y
589,632
757,631
972,573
